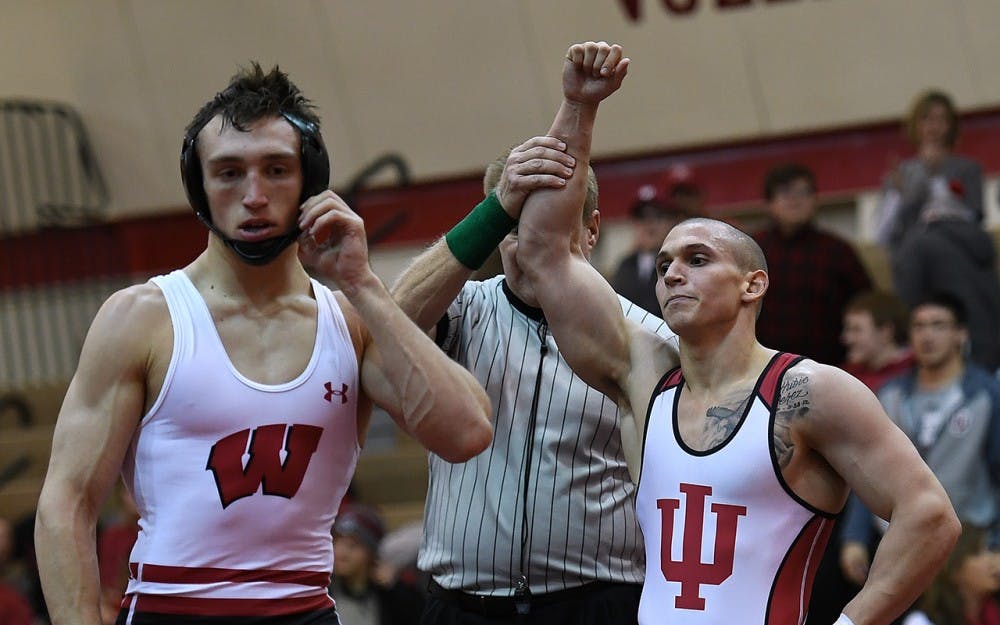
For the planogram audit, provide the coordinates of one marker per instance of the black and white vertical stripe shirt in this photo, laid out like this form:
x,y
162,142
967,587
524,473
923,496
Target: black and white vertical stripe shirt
x,y
580,499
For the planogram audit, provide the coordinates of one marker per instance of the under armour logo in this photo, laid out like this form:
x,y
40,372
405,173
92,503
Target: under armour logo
x,y
342,393
690,571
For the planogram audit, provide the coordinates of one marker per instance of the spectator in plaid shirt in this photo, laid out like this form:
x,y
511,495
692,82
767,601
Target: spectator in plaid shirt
x,y
813,273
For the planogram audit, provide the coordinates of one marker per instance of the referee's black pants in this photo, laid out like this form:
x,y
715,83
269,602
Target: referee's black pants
x,y
600,604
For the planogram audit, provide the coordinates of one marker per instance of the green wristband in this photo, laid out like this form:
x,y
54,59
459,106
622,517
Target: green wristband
x,y
473,239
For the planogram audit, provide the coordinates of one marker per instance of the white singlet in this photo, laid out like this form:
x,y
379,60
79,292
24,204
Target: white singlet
x,y
238,483
727,541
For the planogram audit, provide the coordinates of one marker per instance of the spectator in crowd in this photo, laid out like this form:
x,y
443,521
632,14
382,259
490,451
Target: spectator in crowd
x,y
26,564
934,182
813,273
360,599
684,191
397,558
14,606
652,218
950,410
876,327
964,591
931,216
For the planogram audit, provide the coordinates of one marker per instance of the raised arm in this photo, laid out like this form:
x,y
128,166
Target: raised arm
x,y
97,421
428,286
581,308
402,370
853,433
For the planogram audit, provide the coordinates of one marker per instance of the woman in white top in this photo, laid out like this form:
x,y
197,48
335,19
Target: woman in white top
x,y
935,183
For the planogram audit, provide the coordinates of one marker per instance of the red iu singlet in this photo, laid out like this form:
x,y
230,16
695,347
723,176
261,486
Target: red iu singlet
x,y
727,541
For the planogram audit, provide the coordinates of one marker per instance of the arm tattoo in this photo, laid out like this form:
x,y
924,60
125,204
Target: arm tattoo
x,y
721,420
793,403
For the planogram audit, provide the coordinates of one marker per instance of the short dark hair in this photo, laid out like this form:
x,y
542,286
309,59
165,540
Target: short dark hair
x,y
253,94
884,307
684,189
747,252
643,209
943,299
784,174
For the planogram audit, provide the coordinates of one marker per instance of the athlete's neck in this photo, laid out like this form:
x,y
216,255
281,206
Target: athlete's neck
x,y
220,270
708,369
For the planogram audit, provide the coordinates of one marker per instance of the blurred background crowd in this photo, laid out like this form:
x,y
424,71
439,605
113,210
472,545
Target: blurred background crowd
x,y
880,235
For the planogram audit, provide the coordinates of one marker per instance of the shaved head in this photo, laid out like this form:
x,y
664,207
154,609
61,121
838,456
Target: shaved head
x,y
735,247
745,251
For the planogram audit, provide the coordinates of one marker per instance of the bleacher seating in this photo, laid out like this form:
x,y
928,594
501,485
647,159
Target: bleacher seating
x,y
394,480
25,450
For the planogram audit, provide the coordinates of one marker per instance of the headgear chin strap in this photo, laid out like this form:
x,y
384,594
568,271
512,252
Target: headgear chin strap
x,y
256,252
315,163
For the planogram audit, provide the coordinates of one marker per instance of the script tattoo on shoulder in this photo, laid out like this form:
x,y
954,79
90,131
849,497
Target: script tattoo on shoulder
x,y
793,403
721,420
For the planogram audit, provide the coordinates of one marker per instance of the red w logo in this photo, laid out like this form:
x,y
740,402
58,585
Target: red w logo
x,y
690,571
264,465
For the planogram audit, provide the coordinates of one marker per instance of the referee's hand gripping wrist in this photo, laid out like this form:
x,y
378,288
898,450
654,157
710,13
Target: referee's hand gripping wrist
x,y
538,163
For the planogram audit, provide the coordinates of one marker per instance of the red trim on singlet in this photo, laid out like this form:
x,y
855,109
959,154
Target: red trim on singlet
x,y
789,598
772,377
209,575
673,378
226,607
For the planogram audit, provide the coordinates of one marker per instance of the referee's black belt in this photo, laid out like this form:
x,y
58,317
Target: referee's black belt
x,y
488,605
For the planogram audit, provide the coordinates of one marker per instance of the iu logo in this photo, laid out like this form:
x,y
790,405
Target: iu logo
x,y
277,457
690,571
330,392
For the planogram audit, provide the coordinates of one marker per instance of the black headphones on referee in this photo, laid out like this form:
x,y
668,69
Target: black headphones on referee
x,y
315,164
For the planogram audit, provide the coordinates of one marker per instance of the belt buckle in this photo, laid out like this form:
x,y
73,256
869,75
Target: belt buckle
x,y
522,597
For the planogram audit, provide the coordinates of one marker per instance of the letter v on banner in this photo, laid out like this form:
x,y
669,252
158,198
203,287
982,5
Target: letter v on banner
x,y
264,465
690,571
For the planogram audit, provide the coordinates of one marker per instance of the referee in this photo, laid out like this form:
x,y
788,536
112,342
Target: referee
x,y
540,527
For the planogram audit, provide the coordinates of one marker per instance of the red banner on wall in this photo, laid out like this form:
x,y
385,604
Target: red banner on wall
x,y
633,8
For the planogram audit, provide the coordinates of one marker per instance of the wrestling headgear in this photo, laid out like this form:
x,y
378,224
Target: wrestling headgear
x,y
315,164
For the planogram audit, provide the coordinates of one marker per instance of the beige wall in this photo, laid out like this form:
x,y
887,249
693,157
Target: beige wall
x,y
448,83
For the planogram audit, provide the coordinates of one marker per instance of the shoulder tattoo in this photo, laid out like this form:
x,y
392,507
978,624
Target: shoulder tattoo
x,y
793,404
722,419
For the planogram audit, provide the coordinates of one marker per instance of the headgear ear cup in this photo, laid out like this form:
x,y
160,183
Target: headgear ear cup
x,y
191,178
314,159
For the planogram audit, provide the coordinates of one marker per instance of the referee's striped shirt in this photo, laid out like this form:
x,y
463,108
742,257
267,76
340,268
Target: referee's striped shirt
x,y
580,498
